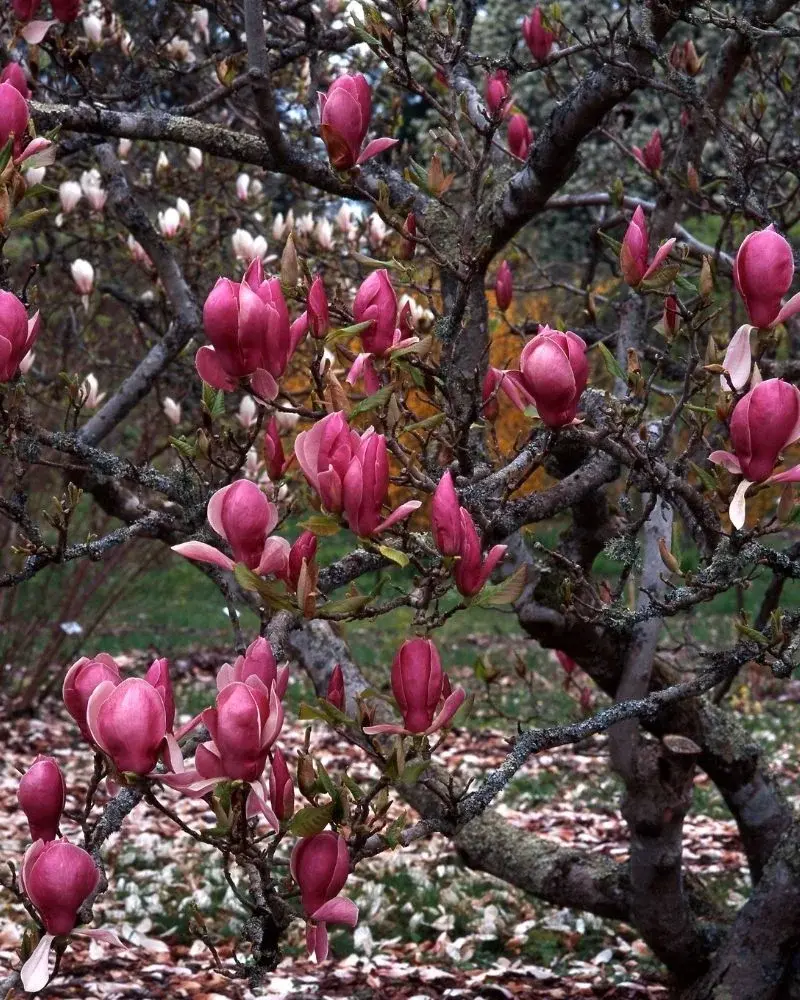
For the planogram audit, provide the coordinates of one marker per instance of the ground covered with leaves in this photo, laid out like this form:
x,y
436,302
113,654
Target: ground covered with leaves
x,y
429,927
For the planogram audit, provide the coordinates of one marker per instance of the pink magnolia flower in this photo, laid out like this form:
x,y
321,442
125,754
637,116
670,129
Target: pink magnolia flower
x,y
408,247
324,453
555,371
14,116
248,325
245,722
26,9
320,866
520,136
258,661
135,748
446,517
15,75
420,687
335,693
17,334
504,286
635,253
41,795
671,318
763,272
538,39
365,487
66,10
274,458
344,114
765,421
376,301
57,878
498,92
80,682
317,308
244,518
281,787
652,155
301,553
159,678
471,570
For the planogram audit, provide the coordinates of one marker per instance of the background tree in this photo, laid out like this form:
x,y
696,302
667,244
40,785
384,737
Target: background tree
x,y
517,174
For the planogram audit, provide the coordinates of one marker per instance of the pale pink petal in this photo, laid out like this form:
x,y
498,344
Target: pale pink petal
x,y
100,694
200,552
297,331
40,152
375,147
172,753
738,360
402,512
726,459
274,558
384,728
256,805
214,510
791,308
357,367
263,385
187,727
337,911
34,31
449,709
659,258
104,934
36,971
317,941
737,511
789,476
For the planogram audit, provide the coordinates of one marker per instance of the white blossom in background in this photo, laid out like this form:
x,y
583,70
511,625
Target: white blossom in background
x,y
34,175
27,362
126,43
242,186
323,233
83,276
184,211
344,217
376,231
200,24
162,163
278,227
285,421
253,469
93,28
418,315
194,157
305,224
137,251
69,193
90,394
124,148
169,222
172,410
92,187
256,188
248,411
247,247
179,50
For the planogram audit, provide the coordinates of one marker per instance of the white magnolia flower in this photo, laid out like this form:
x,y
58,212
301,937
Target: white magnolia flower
x,y
70,193
124,148
242,186
169,222
305,224
90,394
248,411
376,232
194,157
162,163
200,25
27,362
247,247
172,410
324,234
83,276
93,28
184,211
34,175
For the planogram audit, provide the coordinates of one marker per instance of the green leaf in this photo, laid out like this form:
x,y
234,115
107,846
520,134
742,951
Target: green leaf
x,y
346,606
427,424
705,410
326,782
615,245
392,265
309,712
311,820
213,401
183,447
663,277
612,365
352,787
392,832
395,555
5,154
346,332
502,593
21,221
413,772
705,477
274,595
751,633
321,524
379,398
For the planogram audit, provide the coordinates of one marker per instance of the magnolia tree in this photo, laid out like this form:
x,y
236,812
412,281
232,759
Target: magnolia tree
x,y
281,262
